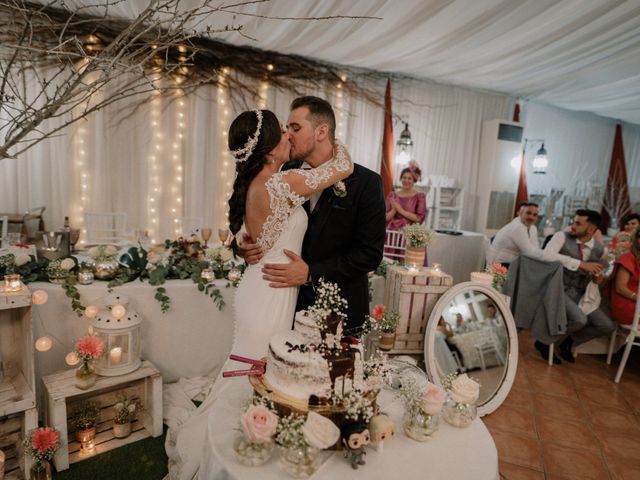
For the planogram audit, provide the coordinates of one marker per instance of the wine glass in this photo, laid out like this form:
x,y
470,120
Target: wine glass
x,y
223,234
74,236
206,235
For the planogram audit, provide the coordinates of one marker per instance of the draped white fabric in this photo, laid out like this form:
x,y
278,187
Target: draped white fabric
x,y
581,55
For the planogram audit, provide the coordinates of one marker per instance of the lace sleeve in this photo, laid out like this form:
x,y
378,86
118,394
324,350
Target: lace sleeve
x,y
305,182
282,201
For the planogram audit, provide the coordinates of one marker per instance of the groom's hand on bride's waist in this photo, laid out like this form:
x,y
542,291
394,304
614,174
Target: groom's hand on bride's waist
x,y
251,252
292,274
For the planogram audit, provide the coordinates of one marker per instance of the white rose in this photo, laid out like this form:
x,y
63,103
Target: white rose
x,y
131,407
21,259
94,252
67,264
110,251
226,254
319,431
464,390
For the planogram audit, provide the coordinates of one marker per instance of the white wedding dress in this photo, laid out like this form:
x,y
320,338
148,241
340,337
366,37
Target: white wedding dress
x,y
260,312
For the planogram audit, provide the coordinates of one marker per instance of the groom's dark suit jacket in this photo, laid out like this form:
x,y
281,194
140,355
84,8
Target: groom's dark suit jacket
x,y
345,241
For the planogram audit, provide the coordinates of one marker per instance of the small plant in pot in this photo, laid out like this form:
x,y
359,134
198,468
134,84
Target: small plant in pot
x,y
385,323
126,410
85,418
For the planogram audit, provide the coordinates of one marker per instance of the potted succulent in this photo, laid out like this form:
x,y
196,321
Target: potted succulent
x,y
126,411
85,418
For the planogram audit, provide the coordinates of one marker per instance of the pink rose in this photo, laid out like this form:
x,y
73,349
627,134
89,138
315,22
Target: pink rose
x,y
259,424
378,312
432,399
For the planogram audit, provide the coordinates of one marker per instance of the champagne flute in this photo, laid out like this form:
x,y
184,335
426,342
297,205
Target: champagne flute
x,y
223,234
206,235
74,236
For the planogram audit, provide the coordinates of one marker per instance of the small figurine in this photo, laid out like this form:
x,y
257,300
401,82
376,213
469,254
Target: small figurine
x,y
355,436
381,428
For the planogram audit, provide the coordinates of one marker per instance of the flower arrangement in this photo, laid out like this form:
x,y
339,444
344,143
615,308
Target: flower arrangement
x,y
259,424
328,300
382,320
219,257
42,444
417,235
126,409
499,273
103,252
357,407
85,415
60,268
296,431
89,348
461,388
421,402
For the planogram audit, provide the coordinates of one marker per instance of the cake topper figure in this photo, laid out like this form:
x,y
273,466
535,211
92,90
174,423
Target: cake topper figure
x,y
382,429
355,436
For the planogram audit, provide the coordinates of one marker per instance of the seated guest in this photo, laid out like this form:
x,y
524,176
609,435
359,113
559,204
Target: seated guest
x,y
516,237
621,241
491,319
625,287
586,262
461,325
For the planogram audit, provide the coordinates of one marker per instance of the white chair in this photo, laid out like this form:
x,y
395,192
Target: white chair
x,y
105,228
4,229
394,245
487,344
174,227
631,332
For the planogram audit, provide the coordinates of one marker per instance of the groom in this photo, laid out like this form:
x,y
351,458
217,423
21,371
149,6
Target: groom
x,y
345,235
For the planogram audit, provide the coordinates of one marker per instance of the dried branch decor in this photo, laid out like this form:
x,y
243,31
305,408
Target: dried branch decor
x,y
53,61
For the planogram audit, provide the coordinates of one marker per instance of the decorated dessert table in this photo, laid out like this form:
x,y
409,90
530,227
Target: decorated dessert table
x,y
452,453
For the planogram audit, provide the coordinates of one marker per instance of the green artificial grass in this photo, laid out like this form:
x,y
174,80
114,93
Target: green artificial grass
x,y
142,460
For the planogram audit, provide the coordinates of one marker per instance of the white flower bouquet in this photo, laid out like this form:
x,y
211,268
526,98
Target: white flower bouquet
x,y
417,235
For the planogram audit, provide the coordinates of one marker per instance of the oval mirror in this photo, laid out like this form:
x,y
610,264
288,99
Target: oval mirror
x,y
471,330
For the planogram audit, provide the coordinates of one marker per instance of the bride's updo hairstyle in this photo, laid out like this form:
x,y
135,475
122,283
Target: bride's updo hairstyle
x,y
252,135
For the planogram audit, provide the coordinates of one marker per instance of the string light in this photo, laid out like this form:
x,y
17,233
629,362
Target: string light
x,y
153,161
226,172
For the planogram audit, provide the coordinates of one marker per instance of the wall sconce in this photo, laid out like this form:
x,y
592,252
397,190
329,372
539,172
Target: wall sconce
x,y
404,148
540,161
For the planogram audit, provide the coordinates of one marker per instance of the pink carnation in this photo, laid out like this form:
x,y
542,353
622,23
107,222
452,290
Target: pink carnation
x,y
45,440
498,268
378,312
90,347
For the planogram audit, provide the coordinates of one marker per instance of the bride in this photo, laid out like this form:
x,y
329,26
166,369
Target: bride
x,y
269,205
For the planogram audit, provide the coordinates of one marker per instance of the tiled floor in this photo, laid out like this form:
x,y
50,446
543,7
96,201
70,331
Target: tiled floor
x,y
569,421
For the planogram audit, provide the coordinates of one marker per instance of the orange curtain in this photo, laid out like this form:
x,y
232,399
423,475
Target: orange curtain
x,y
617,193
522,195
387,164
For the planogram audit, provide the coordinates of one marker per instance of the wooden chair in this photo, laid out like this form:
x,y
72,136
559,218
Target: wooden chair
x,y
105,228
631,332
394,245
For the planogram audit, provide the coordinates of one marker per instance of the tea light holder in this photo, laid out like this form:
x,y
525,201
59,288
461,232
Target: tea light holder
x,y
12,283
85,277
208,275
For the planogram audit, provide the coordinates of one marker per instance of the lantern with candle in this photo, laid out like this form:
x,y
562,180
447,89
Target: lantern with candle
x,y
118,325
12,283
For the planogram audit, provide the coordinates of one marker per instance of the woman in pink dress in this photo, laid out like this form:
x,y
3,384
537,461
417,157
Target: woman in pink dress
x,y
625,283
407,205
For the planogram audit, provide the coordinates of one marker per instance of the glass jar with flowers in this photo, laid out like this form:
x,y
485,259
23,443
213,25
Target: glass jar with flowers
x,y
219,257
58,270
499,273
459,408
84,418
42,444
301,440
258,424
88,348
384,322
105,263
422,409
85,273
418,237
126,411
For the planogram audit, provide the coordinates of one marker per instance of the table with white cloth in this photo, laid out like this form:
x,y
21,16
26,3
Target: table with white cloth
x,y
459,255
192,339
452,453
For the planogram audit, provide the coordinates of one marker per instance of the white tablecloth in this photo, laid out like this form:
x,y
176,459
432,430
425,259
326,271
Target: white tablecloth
x,y
459,255
192,339
452,453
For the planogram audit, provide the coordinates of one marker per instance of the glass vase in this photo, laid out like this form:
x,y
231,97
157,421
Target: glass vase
x,y
458,414
299,462
420,427
252,454
106,268
85,376
40,470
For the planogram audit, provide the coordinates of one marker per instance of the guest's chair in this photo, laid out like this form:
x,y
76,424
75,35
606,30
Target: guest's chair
x,y
105,228
631,332
4,229
488,344
395,245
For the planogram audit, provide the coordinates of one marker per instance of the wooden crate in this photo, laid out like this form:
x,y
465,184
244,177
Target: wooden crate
x,y
62,396
13,430
17,384
413,295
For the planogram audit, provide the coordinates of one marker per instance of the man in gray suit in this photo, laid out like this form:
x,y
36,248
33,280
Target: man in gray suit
x,y
585,253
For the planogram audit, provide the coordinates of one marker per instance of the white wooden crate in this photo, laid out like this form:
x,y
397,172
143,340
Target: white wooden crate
x,y
17,385
63,396
413,296
13,430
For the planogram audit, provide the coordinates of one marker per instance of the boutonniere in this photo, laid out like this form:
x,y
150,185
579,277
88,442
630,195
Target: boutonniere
x,y
340,189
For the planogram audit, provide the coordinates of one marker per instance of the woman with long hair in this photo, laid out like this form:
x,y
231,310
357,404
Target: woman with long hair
x,y
625,283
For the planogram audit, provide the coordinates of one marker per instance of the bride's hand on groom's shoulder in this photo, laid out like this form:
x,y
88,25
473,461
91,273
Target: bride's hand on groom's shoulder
x,y
281,275
251,252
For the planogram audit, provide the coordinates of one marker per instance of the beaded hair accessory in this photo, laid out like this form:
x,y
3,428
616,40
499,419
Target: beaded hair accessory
x,y
243,153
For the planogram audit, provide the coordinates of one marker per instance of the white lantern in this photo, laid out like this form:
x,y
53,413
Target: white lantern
x,y
120,334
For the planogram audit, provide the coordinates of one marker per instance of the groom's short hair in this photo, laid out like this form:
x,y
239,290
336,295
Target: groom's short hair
x,y
320,111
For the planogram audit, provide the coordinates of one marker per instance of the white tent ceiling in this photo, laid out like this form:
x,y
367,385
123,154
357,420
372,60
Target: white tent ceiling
x,y
577,54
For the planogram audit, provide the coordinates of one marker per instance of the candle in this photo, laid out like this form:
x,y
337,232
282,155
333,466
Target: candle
x,y
12,283
116,355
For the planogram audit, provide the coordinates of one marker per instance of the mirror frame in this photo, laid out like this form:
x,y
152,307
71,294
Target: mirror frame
x,y
512,360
